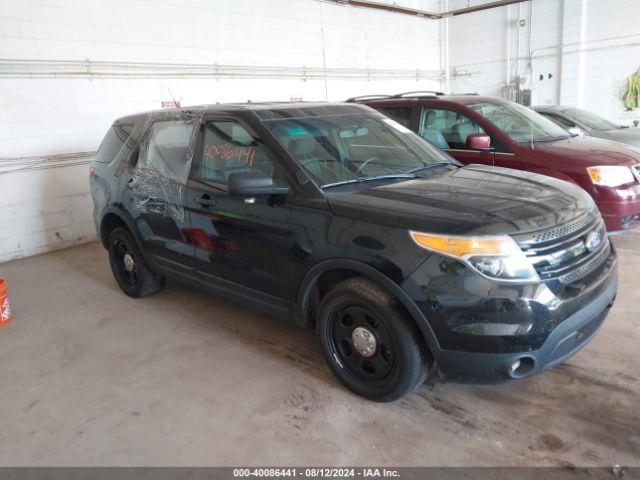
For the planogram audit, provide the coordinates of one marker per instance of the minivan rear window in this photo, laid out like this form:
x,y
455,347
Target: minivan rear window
x,y
113,142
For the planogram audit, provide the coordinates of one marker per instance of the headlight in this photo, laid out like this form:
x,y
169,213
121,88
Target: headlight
x,y
497,257
610,176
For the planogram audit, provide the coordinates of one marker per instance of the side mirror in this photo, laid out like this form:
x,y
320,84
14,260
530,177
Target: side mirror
x,y
575,130
478,141
254,183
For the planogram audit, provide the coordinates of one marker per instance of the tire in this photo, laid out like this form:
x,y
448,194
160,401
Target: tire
x,y
135,279
385,369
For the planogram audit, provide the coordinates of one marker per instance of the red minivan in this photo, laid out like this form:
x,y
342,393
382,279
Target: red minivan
x,y
493,131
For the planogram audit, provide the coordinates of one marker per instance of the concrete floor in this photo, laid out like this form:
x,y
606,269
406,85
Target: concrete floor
x,y
91,377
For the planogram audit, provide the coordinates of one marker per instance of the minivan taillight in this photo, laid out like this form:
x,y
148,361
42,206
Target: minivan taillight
x,y
91,172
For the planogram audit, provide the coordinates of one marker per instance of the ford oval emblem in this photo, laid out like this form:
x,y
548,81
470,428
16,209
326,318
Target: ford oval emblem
x,y
593,241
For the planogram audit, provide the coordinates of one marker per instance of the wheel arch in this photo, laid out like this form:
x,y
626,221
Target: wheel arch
x,y
340,269
113,217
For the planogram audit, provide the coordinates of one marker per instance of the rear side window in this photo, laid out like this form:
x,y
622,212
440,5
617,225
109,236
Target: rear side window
x,y
113,142
163,167
402,115
167,149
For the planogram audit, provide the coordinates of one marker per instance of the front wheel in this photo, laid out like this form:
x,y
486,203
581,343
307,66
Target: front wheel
x,y
369,342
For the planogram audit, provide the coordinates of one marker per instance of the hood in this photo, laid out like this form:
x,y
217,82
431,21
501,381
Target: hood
x,y
589,151
628,136
473,199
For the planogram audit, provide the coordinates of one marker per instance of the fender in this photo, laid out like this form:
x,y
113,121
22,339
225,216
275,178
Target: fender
x,y
561,176
126,218
588,187
310,278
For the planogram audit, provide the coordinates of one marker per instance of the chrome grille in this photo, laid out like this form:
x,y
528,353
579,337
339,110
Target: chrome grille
x,y
585,268
567,228
562,254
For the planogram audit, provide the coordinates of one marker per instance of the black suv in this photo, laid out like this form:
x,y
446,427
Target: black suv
x,y
340,219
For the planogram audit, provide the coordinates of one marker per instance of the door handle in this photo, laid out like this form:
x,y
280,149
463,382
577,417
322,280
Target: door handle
x,y
205,200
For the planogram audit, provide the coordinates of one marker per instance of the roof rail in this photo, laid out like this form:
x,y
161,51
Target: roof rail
x,y
418,93
465,93
367,97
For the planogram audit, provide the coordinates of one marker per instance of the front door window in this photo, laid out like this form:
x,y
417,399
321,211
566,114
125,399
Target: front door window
x,y
447,129
227,148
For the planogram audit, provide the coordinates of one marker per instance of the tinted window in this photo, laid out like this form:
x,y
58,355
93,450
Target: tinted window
x,y
591,120
167,151
352,147
446,128
228,147
402,115
113,142
562,122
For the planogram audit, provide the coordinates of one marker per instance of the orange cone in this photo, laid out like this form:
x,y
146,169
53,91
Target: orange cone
x,y
5,310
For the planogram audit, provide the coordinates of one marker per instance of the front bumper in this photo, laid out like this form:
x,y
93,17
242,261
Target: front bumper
x,y
483,328
563,342
620,208
621,217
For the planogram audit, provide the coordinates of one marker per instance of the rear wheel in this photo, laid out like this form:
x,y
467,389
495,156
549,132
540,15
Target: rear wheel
x,y
369,342
133,275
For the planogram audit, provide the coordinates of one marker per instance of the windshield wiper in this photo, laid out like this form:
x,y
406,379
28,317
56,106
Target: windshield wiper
x,y
427,166
408,174
368,179
546,140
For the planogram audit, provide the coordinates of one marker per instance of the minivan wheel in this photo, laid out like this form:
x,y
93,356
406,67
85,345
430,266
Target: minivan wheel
x,y
133,275
369,342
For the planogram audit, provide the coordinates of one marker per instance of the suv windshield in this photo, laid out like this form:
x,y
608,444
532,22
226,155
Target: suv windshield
x,y
591,120
520,123
346,148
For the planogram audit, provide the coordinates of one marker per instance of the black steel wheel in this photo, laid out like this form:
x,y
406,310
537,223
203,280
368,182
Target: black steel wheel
x,y
362,342
125,262
131,272
369,342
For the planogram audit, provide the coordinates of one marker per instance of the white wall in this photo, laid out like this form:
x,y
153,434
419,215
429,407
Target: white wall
x,y
589,47
46,204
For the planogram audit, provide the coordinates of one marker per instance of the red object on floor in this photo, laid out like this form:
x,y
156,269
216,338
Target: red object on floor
x,y
5,310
